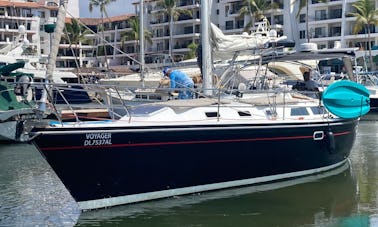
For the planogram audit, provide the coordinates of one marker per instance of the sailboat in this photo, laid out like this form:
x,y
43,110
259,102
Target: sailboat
x,y
180,147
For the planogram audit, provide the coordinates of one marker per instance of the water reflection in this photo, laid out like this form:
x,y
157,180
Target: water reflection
x,y
30,192
365,165
324,198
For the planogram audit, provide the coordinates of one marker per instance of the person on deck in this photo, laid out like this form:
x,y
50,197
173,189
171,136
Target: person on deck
x,y
179,79
310,85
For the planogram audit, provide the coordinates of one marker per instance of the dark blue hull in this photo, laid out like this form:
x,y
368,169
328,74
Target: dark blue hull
x,y
373,105
72,95
101,163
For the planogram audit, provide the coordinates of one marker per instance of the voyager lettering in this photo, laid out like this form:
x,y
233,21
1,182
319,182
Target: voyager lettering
x,y
96,139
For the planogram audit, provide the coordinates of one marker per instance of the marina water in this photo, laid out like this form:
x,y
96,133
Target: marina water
x,y
31,195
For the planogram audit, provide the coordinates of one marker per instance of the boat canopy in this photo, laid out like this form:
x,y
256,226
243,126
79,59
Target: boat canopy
x,y
7,70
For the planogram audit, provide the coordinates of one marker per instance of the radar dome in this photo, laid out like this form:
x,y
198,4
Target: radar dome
x,y
272,33
21,29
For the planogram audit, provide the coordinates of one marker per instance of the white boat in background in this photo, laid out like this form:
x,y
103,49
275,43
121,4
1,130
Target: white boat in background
x,y
370,81
151,80
20,51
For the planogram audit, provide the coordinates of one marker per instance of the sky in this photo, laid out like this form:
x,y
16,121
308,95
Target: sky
x,y
116,8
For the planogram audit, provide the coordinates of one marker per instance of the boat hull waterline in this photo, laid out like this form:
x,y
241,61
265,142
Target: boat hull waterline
x,y
108,166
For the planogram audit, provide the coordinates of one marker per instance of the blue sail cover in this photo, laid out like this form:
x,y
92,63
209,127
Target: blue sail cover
x,y
347,99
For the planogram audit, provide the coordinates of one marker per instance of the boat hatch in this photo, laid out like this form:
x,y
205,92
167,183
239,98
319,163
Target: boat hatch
x,y
299,111
316,110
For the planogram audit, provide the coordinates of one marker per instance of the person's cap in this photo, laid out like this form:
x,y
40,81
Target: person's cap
x,y
165,70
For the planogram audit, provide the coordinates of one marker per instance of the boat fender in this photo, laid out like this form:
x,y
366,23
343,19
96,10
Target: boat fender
x,y
19,129
330,141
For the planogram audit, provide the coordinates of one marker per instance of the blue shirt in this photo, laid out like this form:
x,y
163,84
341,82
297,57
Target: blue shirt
x,y
180,79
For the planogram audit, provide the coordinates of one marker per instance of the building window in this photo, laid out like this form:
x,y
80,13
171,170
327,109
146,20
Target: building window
x,y
239,23
302,18
320,15
26,13
217,11
197,29
54,13
335,31
336,13
320,32
302,34
2,11
278,19
188,30
229,25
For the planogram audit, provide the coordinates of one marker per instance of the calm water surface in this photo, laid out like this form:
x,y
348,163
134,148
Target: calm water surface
x,y
31,194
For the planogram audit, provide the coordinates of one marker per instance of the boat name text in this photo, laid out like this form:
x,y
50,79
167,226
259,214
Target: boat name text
x,y
96,139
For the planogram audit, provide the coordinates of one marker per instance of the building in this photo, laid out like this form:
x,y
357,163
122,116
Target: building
x,y
34,15
329,25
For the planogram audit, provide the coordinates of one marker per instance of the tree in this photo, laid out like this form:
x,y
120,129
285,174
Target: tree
x,y
74,35
134,33
255,9
366,16
170,9
193,50
102,4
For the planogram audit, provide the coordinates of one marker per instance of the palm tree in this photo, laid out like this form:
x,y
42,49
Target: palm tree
x,y
75,34
366,15
255,9
170,9
102,4
193,50
134,33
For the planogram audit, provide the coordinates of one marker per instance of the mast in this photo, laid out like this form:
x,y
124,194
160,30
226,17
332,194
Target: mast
x,y
56,39
206,48
141,41
53,52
